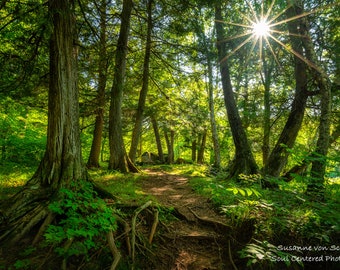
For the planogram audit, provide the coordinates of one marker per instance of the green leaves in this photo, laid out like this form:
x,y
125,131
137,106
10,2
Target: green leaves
x,y
244,191
85,217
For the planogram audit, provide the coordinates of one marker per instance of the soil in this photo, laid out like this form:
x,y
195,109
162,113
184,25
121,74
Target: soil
x,y
199,239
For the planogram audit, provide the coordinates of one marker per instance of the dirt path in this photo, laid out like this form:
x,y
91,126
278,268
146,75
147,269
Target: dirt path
x,y
198,239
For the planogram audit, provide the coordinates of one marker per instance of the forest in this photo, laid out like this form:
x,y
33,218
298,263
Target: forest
x,y
169,134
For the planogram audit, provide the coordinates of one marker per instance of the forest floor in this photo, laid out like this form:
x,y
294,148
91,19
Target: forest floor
x,y
199,238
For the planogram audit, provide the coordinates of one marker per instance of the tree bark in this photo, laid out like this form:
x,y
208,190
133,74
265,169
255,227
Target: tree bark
x,y
118,156
266,77
216,144
170,145
143,93
279,156
62,162
193,150
158,139
93,160
200,154
244,162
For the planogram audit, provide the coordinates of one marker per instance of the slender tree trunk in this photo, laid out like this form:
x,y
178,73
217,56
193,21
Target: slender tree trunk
x,y
200,155
93,160
62,162
216,144
319,161
266,81
278,157
158,139
170,145
193,150
143,93
244,162
118,156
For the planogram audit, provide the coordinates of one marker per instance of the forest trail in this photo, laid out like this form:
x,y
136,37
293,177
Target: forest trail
x,y
198,239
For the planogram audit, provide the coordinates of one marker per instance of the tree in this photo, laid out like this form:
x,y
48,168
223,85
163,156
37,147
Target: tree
x,y
62,162
244,162
93,160
118,156
158,138
145,83
279,155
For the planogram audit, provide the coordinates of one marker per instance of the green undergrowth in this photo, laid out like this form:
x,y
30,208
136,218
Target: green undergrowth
x,y
281,218
125,187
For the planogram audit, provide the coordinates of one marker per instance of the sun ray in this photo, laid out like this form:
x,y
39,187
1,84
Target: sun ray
x,y
269,10
272,51
278,15
252,11
286,33
236,37
236,49
306,61
306,13
251,50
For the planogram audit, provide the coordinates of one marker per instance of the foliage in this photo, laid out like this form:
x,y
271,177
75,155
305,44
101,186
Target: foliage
x,y
282,217
84,219
264,254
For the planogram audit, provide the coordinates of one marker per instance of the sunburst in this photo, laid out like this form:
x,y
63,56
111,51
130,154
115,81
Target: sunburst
x,y
260,28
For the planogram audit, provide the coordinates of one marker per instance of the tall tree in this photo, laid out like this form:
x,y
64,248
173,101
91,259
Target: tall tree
x,y
62,162
279,155
145,84
119,159
266,77
244,162
93,160
158,138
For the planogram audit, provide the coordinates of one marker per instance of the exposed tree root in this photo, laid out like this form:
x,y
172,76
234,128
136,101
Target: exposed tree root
x,y
133,226
48,220
154,226
114,250
217,224
21,213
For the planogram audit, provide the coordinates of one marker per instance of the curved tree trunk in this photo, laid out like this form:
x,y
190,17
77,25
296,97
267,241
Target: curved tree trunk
x,y
62,162
143,93
118,156
278,157
93,160
244,162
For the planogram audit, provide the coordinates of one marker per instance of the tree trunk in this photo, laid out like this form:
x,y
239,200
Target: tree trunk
x,y
278,157
118,156
93,160
200,155
266,77
244,162
62,162
143,93
317,183
193,150
170,145
158,139
216,144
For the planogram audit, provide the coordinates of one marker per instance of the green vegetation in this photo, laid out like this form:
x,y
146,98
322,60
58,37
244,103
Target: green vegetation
x,y
282,217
